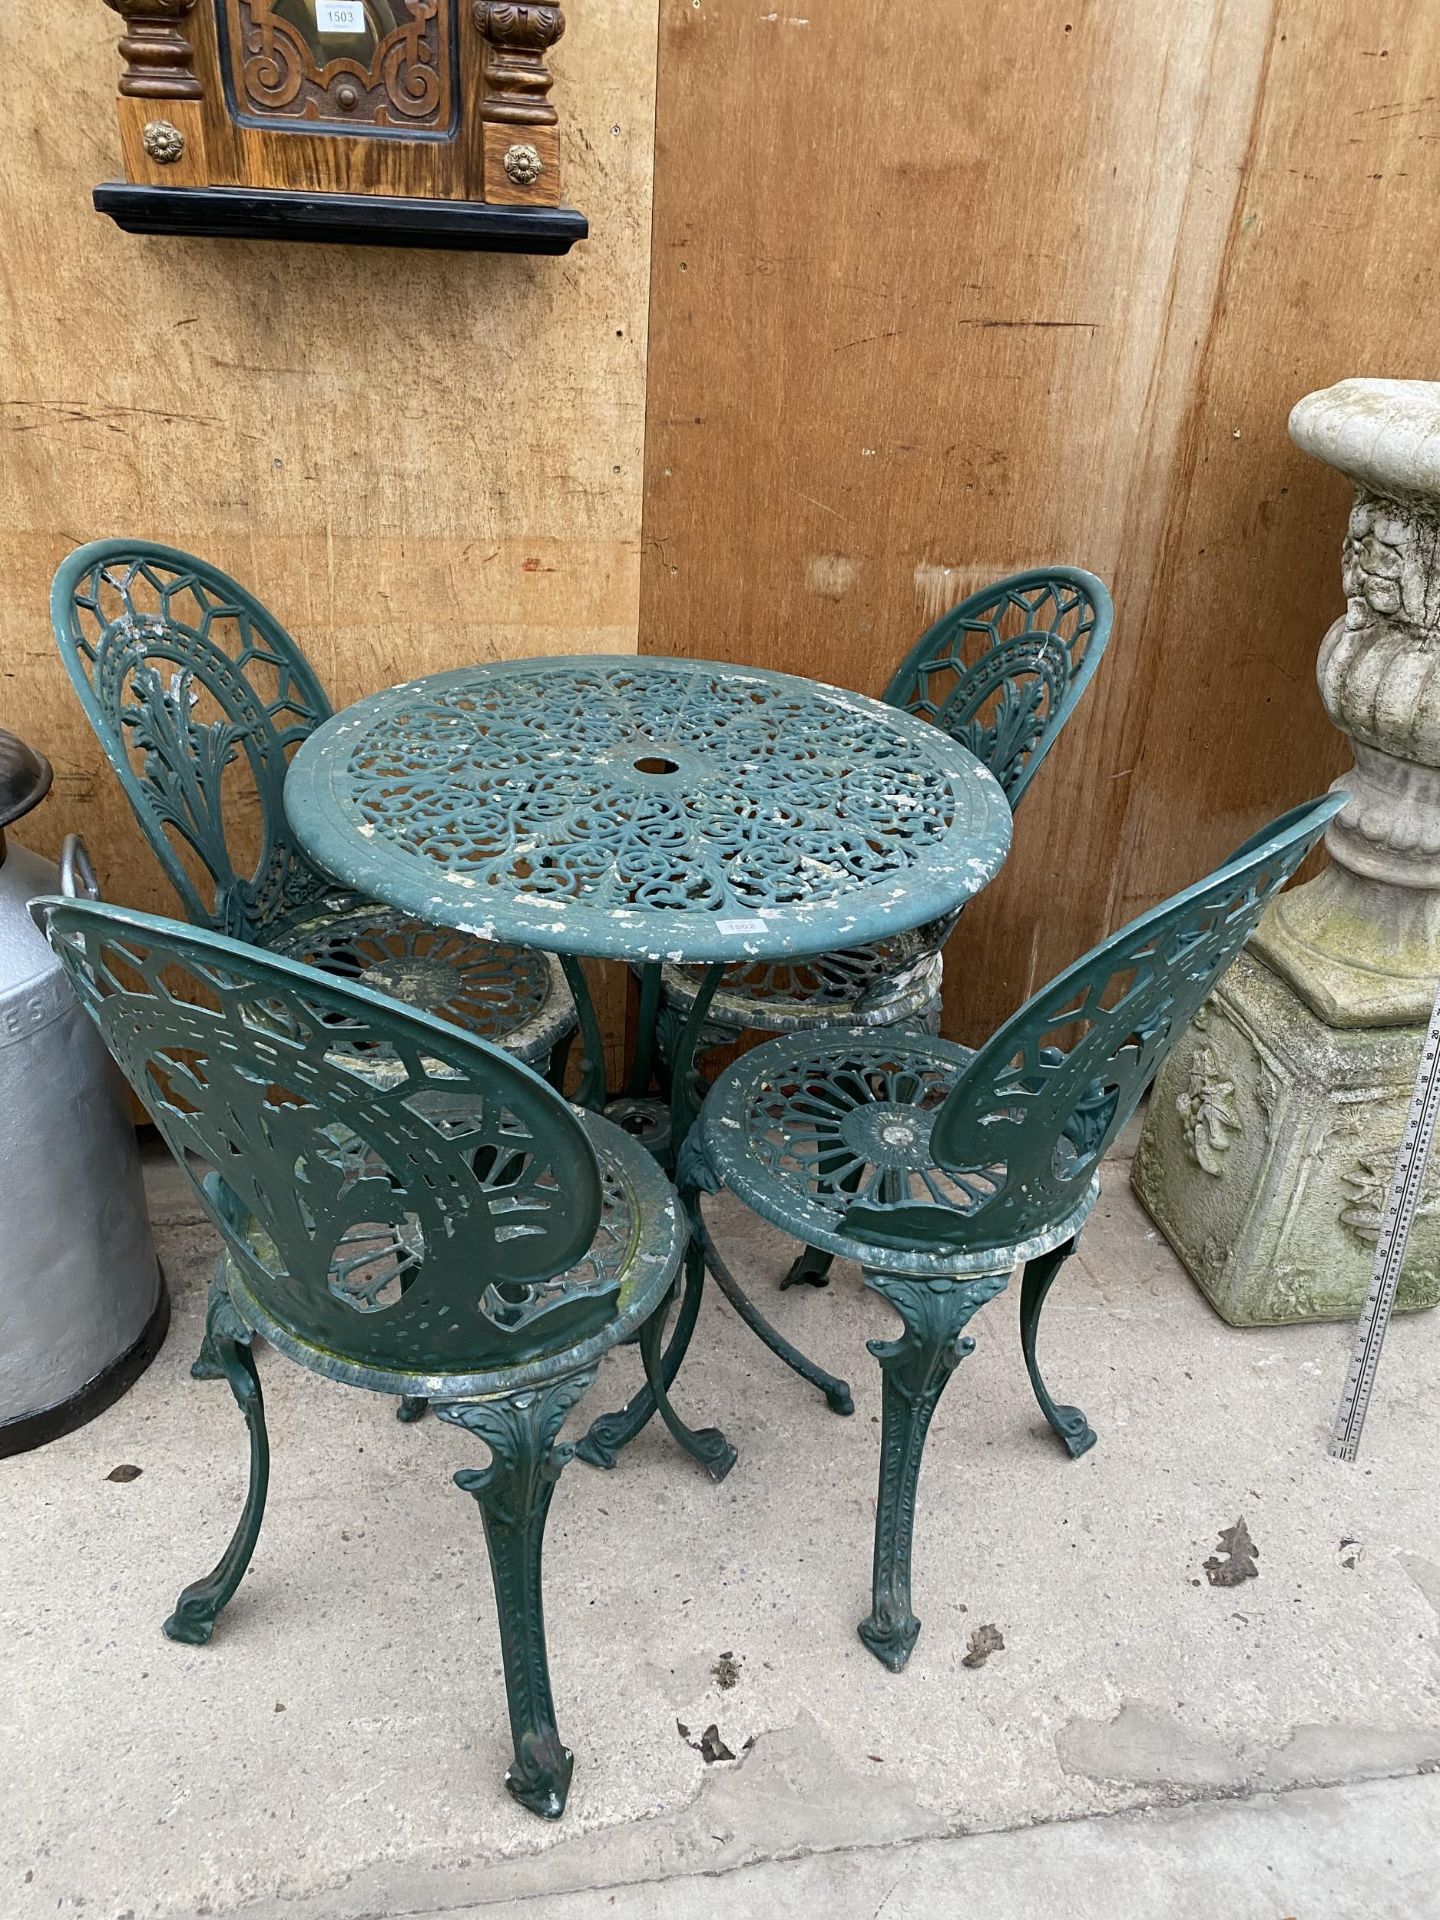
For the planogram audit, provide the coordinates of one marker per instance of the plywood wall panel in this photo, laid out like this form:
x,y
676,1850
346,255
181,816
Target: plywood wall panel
x,y
1329,270
419,459
941,292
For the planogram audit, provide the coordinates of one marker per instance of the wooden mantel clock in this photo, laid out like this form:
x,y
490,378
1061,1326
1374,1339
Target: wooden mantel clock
x,y
399,122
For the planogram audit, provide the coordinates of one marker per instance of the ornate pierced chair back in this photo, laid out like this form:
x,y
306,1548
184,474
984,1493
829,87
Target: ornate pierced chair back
x,y
393,1192
199,697
1024,1128
1002,671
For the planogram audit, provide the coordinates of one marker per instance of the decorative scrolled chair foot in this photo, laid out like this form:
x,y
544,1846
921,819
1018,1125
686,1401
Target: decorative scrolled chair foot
x,y
709,1447
839,1399
412,1407
192,1622
714,1452
206,1364
612,1432
540,1776
892,1641
809,1268
1074,1429
601,1445
513,1494
916,1369
195,1613
1041,1274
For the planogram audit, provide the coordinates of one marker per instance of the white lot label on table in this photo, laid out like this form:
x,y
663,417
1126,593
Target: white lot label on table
x,y
340,16
728,927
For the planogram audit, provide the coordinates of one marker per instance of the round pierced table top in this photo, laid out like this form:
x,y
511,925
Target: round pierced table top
x,y
648,809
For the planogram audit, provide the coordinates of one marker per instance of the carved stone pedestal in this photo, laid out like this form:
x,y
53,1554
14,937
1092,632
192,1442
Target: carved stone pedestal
x,y
1267,1151
1273,1127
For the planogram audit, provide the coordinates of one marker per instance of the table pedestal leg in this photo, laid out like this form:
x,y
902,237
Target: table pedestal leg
x,y
705,1444
602,1445
684,1104
591,1091
837,1393
642,1069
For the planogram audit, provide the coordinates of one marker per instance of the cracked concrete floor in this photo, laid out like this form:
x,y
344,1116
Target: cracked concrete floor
x,y
338,1750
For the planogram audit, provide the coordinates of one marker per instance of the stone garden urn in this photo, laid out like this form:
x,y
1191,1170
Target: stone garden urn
x,y
1273,1126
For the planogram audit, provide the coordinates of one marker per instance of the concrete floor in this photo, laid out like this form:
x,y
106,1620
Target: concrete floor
x,y
1144,1744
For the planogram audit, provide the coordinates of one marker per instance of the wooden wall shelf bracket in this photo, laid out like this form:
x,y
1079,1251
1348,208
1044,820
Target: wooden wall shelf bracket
x,y
350,219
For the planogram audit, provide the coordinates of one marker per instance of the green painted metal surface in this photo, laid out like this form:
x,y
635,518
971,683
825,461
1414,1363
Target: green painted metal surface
x,y
403,1207
229,1340
1004,669
939,1170
1001,672
648,809
513,1494
916,1369
199,697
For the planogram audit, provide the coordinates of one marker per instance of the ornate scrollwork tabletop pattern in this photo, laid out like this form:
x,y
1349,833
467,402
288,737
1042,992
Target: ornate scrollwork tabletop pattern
x,y
649,809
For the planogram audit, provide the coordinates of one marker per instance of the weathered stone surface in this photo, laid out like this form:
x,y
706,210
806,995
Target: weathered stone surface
x,y
1272,1134
1361,944
1267,1151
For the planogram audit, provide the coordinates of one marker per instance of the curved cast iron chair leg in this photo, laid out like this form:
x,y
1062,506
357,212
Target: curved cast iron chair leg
x,y
836,1391
206,1364
705,1444
513,1494
412,1407
810,1268
917,1368
602,1445
1040,1275
226,1334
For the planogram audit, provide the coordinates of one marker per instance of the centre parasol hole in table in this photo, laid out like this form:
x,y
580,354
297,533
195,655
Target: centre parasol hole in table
x,y
656,763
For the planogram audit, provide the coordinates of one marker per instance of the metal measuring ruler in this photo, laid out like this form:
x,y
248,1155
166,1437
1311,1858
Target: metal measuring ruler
x,y
1395,1226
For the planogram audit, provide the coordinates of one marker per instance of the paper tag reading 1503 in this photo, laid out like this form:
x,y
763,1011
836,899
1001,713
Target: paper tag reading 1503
x,y
340,16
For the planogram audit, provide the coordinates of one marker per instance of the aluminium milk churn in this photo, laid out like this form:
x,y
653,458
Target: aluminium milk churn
x,y
83,1307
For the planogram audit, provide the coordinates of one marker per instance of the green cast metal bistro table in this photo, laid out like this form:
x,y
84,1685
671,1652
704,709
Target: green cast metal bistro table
x,y
644,810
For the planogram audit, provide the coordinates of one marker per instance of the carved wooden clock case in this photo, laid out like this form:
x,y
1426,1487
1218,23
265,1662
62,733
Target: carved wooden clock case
x,y
402,122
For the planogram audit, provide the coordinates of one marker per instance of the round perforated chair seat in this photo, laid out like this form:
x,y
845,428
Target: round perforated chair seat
x,y
515,997
794,996
806,1126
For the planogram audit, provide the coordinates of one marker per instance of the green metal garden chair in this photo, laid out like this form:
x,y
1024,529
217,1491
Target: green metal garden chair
x,y
402,1207
1001,672
200,698
939,1169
